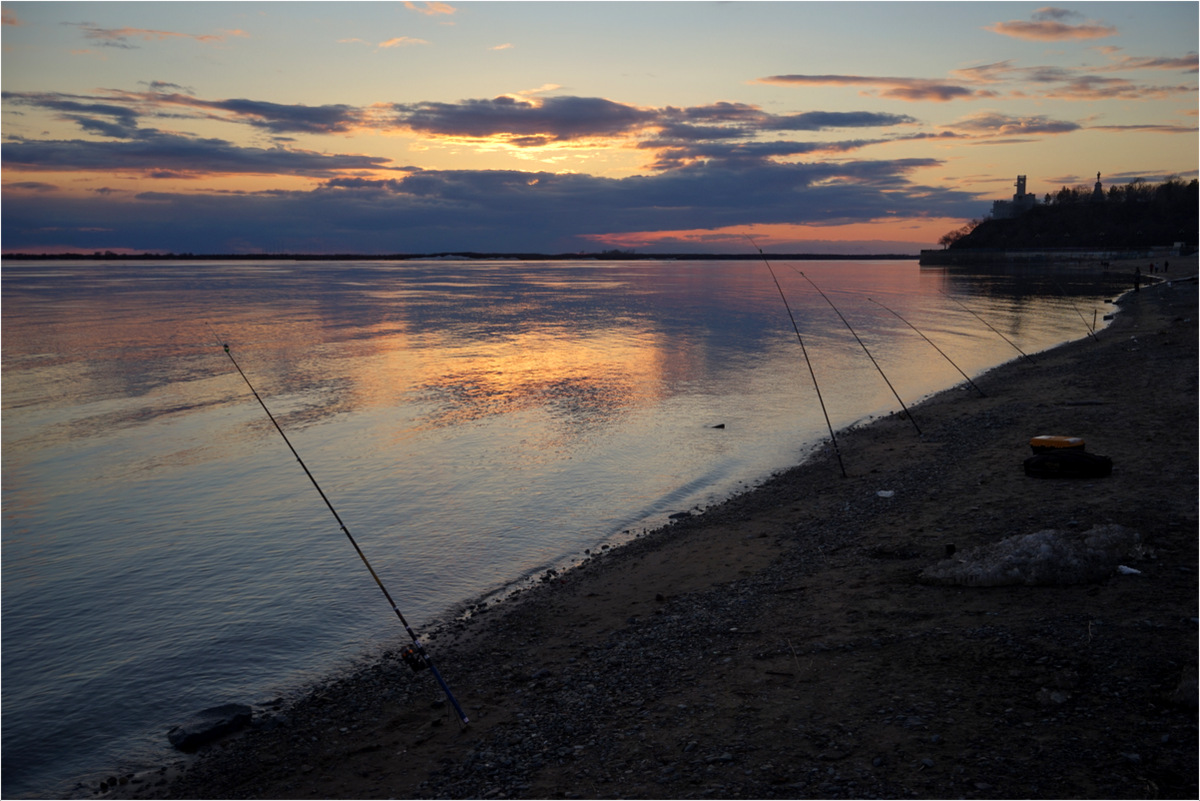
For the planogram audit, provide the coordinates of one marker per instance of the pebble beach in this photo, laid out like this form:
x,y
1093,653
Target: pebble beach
x,y
783,644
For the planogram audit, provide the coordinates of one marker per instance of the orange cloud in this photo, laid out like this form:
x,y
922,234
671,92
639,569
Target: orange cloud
x,y
1048,26
914,89
431,9
993,123
10,18
1187,63
1061,83
402,41
986,80
1094,87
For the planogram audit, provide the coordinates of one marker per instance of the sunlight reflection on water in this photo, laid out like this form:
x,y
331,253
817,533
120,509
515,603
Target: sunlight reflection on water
x,y
473,423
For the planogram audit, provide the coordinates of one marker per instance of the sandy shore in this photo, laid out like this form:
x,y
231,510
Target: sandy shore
x,y
781,645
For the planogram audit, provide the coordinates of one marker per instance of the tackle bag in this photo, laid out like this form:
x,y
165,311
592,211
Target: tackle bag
x,y
1068,463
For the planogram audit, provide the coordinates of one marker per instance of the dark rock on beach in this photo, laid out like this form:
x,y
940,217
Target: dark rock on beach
x,y
209,725
1047,557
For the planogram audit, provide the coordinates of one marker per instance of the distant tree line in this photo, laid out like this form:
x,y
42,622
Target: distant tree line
x,y
1134,216
608,255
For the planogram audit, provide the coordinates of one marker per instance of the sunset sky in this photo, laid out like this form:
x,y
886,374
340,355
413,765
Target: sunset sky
x,y
394,127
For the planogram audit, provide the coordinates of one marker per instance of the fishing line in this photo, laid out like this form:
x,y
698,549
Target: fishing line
x,y
864,347
803,350
417,659
989,325
935,347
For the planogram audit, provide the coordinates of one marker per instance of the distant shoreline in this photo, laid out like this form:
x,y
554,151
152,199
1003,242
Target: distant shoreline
x,y
464,255
963,257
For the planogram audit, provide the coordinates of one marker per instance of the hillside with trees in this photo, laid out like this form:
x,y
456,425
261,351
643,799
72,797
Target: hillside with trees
x,y
1137,215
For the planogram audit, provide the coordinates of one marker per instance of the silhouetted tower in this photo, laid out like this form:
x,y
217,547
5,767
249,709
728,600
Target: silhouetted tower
x,y
1021,202
1098,192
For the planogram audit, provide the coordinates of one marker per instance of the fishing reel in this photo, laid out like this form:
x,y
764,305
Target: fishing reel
x,y
414,659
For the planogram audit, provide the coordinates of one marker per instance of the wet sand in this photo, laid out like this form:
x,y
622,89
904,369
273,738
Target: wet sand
x,y
781,645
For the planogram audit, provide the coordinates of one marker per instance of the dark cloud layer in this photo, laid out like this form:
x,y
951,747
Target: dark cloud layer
x,y
823,120
278,117
156,152
95,115
709,167
434,210
520,121
119,114
559,118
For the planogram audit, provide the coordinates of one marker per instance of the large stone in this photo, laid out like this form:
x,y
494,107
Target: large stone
x,y
1044,558
208,725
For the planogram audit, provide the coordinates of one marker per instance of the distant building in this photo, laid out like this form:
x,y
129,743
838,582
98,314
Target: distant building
x,y
1098,191
1021,202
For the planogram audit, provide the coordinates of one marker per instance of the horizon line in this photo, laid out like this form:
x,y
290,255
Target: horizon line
x,y
109,255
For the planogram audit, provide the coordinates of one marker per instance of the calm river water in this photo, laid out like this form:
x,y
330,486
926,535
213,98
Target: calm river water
x,y
473,422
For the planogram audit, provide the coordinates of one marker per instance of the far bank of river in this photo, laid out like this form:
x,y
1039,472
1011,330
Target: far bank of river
x,y
1087,257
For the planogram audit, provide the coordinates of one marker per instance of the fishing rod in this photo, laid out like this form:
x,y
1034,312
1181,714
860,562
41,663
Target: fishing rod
x,y
1091,328
837,452
416,659
935,347
864,347
989,325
